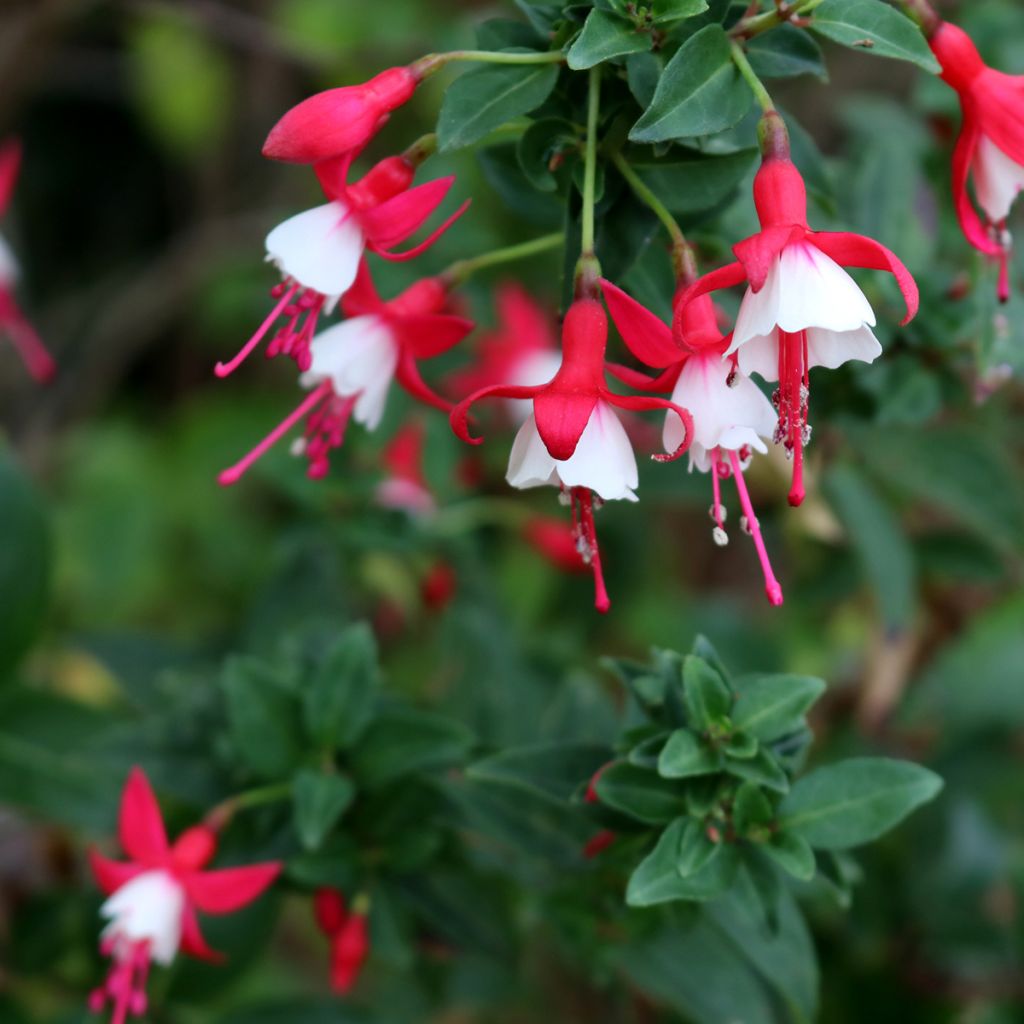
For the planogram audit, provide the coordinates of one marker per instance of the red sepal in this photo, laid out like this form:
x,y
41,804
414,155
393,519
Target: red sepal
x,y
724,277
759,252
228,889
430,334
665,381
192,941
396,219
649,339
647,403
362,298
110,875
561,418
10,165
329,908
409,377
431,239
459,417
141,826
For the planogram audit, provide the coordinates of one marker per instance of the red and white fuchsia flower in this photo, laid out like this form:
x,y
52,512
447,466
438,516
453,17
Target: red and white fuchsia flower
x,y
153,898
801,308
348,933
731,418
990,149
23,336
522,351
406,486
573,438
319,252
352,365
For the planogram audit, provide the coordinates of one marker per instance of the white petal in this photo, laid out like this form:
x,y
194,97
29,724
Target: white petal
x,y
759,311
833,348
319,248
814,291
723,416
148,908
9,269
359,357
529,464
997,180
603,461
535,369
760,355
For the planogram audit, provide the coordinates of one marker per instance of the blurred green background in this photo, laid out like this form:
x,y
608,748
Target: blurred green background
x,y
139,220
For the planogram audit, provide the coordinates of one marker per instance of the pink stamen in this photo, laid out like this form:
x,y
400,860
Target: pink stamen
x,y
125,984
234,473
716,488
771,584
226,369
295,338
583,500
325,431
791,401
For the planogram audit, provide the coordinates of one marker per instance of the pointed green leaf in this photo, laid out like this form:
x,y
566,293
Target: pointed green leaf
x,y
786,52
850,803
751,808
763,769
604,36
793,854
771,706
695,849
639,793
319,801
686,755
553,770
708,699
486,98
700,92
875,27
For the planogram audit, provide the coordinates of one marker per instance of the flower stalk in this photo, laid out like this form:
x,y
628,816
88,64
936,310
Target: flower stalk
x,y
462,270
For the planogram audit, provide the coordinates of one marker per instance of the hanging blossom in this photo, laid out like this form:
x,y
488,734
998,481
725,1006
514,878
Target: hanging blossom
x,y
319,252
731,417
348,934
990,149
573,438
405,486
353,364
152,899
801,308
13,323
522,351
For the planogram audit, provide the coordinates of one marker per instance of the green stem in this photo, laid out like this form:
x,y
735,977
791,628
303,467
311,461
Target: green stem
x,y
682,254
459,272
219,817
756,24
433,62
590,165
757,87
922,12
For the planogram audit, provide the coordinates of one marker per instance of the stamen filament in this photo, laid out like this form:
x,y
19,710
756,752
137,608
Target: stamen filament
x,y
234,473
226,369
771,584
585,500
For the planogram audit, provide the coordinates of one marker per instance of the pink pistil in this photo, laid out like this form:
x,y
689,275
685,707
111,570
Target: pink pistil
x,y
285,295
586,540
30,347
234,473
791,402
771,584
125,984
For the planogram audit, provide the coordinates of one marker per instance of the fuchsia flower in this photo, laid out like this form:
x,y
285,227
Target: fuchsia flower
x,y
573,438
319,252
801,308
337,122
522,351
37,360
406,485
153,898
352,365
556,541
350,941
991,145
730,415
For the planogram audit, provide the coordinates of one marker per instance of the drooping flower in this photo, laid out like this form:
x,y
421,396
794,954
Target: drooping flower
x,y
730,415
353,363
153,898
341,121
319,251
13,323
801,308
573,438
990,149
522,351
348,933
405,486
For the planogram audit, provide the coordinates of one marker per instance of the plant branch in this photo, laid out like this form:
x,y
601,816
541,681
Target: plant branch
x,y
757,87
459,272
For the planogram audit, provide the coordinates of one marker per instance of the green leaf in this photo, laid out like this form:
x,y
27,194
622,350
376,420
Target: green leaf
x,y
700,92
262,717
875,27
339,700
763,769
686,755
695,183
751,808
538,144
639,793
666,12
319,801
695,849
707,696
403,741
772,706
740,745
486,98
604,36
792,853
885,554
553,770
646,753
786,52
24,563
657,879
855,801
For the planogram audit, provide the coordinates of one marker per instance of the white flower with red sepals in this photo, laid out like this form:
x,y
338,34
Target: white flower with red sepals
x,y
801,308
153,898
405,486
990,148
353,364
